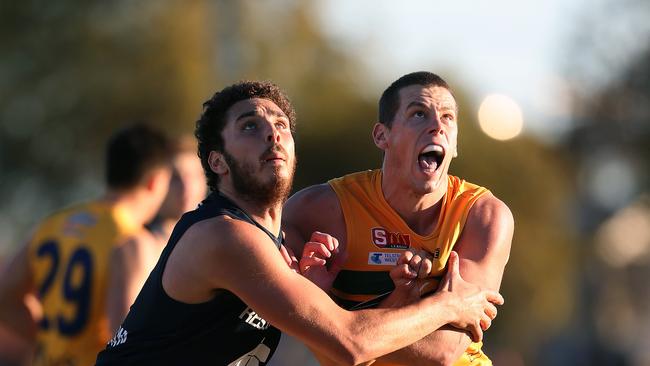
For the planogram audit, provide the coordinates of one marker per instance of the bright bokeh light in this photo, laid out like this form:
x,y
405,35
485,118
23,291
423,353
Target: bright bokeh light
x,y
500,117
625,237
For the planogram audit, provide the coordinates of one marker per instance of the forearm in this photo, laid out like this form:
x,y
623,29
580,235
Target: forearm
x,y
403,326
359,336
442,347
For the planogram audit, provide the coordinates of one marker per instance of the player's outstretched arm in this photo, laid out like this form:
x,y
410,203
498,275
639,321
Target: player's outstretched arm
x,y
16,283
483,249
246,262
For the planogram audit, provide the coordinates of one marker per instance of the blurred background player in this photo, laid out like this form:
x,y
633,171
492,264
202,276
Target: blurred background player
x,y
133,261
68,260
187,188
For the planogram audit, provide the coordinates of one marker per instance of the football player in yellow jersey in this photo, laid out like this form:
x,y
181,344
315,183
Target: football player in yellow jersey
x,y
69,261
411,203
140,253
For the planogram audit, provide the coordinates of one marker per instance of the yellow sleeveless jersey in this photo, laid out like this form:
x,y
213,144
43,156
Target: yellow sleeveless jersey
x,y
377,236
69,258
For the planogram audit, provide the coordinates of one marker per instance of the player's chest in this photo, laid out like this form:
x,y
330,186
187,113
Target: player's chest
x,y
377,247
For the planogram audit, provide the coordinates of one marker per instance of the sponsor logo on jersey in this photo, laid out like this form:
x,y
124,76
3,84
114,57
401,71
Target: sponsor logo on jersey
x,y
383,259
119,338
383,239
253,358
76,223
254,320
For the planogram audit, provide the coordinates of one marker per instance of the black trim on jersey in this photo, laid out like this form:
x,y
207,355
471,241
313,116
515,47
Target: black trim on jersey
x,y
377,283
160,330
363,282
372,303
242,215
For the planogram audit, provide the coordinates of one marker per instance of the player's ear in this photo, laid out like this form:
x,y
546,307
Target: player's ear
x,y
156,178
380,135
150,181
217,162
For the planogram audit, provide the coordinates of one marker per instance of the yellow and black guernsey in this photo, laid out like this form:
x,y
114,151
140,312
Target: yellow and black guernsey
x,y
377,236
69,258
160,330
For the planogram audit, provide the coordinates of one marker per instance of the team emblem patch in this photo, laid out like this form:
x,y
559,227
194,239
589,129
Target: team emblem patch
x,y
385,239
383,259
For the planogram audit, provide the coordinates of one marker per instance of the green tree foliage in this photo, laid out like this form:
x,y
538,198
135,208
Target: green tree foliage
x,y
74,71
281,41
610,76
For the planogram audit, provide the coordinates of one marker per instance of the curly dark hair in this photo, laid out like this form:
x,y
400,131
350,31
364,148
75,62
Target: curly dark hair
x,y
213,119
389,101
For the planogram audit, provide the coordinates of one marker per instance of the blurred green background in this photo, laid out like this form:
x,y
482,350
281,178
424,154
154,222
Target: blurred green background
x,y
576,286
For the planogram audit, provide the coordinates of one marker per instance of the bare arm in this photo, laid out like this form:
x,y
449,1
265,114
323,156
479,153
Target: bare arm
x,y
484,249
309,216
16,284
250,267
130,265
316,208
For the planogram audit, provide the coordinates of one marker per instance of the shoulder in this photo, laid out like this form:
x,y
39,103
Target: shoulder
x,y
488,230
485,242
320,196
315,208
221,235
489,211
213,253
221,249
137,243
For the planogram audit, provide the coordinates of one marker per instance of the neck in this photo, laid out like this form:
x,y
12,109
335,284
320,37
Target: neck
x,y
130,201
268,216
420,211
